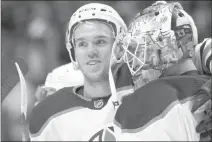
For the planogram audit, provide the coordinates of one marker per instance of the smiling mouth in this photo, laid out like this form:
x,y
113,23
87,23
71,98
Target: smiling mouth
x,y
93,62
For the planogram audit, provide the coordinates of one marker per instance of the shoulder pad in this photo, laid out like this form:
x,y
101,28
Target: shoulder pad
x,y
53,104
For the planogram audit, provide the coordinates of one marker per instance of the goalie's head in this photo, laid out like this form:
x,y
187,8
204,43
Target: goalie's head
x,y
159,37
93,12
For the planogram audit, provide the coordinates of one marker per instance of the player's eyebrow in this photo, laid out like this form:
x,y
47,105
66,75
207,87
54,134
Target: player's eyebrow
x,y
96,37
79,39
102,36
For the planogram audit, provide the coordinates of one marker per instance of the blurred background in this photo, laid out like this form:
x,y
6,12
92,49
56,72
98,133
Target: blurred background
x,y
35,30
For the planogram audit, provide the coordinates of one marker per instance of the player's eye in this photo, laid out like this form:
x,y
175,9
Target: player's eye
x,y
140,51
132,48
81,44
101,42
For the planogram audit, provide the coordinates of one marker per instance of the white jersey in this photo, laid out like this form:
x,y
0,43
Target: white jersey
x,y
67,116
64,76
160,111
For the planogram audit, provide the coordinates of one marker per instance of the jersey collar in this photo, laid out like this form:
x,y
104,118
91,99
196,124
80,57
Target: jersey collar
x,y
96,103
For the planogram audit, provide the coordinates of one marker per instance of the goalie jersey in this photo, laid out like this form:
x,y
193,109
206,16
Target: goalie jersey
x,y
160,111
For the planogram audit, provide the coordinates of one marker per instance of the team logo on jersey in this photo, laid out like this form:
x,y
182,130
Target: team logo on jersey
x,y
106,134
116,104
98,103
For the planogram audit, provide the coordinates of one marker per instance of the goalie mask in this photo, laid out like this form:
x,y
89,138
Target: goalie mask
x,y
158,38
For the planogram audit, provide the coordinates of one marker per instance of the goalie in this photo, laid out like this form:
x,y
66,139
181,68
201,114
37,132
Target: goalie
x,y
159,44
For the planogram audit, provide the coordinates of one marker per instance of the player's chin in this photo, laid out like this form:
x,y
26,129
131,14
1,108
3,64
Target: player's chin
x,y
96,75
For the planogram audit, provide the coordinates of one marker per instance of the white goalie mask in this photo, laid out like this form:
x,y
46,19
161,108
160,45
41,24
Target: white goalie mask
x,y
158,37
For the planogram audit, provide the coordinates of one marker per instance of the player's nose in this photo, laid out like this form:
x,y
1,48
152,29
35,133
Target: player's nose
x,y
92,52
152,58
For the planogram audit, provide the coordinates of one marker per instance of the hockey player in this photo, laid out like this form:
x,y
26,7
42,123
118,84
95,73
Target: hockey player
x,y
77,113
160,41
200,54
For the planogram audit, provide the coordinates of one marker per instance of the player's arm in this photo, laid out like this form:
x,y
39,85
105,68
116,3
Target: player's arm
x,y
202,103
202,111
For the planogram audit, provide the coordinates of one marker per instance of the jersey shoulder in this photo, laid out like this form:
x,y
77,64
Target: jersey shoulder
x,y
155,99
60,101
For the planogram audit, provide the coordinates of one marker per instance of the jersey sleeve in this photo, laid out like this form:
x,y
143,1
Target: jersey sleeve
x,y
202,57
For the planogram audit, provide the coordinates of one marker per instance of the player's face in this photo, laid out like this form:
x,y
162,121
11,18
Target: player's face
x,y
93,46
142,54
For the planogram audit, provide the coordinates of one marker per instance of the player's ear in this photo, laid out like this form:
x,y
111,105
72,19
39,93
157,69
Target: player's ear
x,y
76,64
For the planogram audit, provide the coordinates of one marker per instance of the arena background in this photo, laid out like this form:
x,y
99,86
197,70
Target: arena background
x,y
35,30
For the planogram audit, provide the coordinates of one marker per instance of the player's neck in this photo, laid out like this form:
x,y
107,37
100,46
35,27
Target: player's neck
x,y
96,89
180,68
101,88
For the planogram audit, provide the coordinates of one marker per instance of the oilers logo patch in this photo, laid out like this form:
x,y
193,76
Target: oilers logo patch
x,y
98,103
